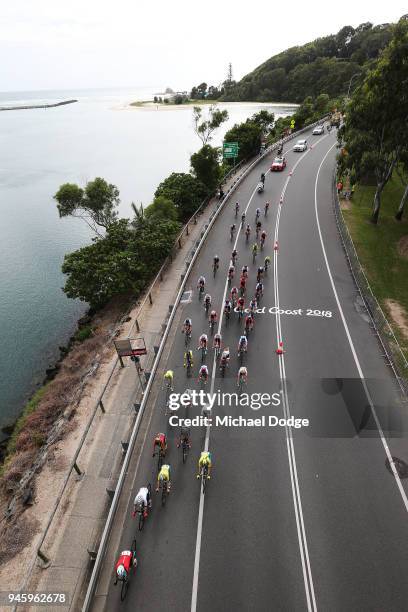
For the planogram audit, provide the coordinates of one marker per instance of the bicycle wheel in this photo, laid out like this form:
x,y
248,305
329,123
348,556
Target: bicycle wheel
x,y
164,494
204,478
185,450
124,589
141,520
241,357
159,461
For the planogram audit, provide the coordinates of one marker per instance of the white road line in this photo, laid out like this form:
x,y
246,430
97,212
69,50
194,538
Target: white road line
x,y
302,540
207,442
356,360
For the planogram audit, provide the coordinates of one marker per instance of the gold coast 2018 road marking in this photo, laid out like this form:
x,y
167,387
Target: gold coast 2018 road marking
x,y
307,312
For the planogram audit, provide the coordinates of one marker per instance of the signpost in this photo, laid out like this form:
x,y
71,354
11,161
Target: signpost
x,y
230,150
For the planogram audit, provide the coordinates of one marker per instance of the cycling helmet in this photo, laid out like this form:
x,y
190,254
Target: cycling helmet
x,y
121,572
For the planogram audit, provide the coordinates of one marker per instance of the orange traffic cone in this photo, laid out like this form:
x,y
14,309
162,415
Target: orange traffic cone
x,y
279,350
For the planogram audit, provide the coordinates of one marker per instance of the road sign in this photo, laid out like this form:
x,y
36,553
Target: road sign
x,y
292,124
230,149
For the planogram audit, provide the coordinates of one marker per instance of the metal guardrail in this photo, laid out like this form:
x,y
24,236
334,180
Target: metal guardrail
x,y
183,280
383,329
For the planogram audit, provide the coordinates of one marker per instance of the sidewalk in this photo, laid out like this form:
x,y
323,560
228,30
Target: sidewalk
x,y
82,512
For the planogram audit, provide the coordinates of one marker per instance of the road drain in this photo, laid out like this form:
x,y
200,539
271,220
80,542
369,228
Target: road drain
x,y
400,466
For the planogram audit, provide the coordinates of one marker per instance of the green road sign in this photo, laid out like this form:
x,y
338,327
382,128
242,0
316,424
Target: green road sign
x,y
230,149
292,124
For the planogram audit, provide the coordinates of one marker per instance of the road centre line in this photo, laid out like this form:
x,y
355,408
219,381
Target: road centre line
x,y
304,552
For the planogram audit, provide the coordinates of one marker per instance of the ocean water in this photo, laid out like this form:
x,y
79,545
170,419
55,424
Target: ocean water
x,y
100,135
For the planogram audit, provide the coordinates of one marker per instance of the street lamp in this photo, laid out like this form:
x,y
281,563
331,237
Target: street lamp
x,y
351,80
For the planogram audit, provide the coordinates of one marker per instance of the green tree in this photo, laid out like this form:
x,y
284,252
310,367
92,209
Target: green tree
x,y
96,205
185,191
161,208
206,168
321,104
264,119
248,135
376,129
205,128
120,263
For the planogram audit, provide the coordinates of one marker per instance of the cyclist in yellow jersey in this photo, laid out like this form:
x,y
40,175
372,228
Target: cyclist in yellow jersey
x,y
168,377
164,476
205,459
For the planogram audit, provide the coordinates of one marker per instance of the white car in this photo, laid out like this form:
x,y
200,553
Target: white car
x,y
319,129
300,146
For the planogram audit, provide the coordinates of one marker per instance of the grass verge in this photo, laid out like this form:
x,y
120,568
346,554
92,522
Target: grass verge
x,y
377,248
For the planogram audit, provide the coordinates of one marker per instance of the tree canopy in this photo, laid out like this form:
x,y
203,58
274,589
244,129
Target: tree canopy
x,y
186,191
376,128
206,168
96,204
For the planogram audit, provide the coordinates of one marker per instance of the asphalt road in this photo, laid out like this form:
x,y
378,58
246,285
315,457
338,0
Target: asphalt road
x,y
292,519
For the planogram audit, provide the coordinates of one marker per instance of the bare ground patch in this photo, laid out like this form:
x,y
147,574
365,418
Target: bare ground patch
x,y
399,315
402,247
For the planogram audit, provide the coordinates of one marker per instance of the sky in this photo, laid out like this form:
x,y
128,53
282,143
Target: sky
x,y
50,44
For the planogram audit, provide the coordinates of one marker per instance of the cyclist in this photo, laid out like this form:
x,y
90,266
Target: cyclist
x,y
205,460
187,327
160,440
232,230
263,178
188,359
242,375
225,356
202,342
169,377
234,256
242,284
249,322
244,271
242,344
217,341
253,306
260,274
243,217
231,272
263,238
184,436
258,228
247,232
257,213
203,374
201,283
127,559
207,302
236,208
216,262
164,476
259,290
241,303
266,208
213,318
234,295
267,262
227,307
254,250
142,501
